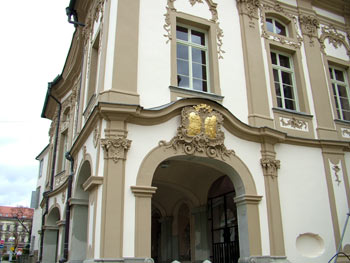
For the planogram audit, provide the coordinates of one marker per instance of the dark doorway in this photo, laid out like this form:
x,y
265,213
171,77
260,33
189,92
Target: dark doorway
x,y
222,215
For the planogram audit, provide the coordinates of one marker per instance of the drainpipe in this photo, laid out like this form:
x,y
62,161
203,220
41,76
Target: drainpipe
x,y
70,11
69,157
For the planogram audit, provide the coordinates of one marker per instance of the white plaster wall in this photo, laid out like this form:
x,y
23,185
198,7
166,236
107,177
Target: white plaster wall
x,y
154,55
289,2
231,67
304,200
347,231
328,14
249,153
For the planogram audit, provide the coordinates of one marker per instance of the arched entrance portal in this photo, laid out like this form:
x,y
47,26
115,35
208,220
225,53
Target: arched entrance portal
x,y
51,234
168,179
199,219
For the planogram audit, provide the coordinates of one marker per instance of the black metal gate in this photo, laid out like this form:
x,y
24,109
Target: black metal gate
x,y
224,228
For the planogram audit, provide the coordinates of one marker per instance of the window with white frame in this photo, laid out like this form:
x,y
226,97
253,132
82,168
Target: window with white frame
x,y
284,82
340,88
192,58
275,26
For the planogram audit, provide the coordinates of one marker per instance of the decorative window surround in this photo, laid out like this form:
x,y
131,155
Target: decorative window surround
x,y
334,37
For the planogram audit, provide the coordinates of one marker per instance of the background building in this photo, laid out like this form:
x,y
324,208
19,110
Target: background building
x,y
196,130
15,227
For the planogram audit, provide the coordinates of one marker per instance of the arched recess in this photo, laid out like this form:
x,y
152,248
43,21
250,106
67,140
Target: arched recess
x,y
50,249
79,207
246,199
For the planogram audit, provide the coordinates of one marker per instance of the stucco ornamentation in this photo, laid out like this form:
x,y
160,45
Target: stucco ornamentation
x,y
294,123
60,179
309,25
193,2
94,14
63,196
270,166
249,7
200,132
277,8
345,132
336,170
334,37
115,148
96,135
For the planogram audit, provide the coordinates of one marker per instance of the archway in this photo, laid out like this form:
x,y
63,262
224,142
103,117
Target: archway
x,y
188,178
79,206
51,235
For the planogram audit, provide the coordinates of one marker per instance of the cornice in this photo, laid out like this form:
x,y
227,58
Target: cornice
x,y
137,115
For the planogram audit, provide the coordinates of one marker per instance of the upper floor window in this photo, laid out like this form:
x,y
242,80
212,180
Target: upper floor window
x,y
340,88
275,26
283,75
192,58
41,168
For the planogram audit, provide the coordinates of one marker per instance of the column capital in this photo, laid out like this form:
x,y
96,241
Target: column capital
x,y
143,191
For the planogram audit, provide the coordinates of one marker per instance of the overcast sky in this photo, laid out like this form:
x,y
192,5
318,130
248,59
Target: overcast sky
x,y
35,39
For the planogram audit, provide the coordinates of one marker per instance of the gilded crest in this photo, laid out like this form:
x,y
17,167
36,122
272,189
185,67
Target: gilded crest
x,y
200,131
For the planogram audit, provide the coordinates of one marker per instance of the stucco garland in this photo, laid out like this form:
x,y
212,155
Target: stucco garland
x,y
335,38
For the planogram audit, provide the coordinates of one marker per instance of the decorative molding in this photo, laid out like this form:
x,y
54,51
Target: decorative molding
x,y
277,38
115,148
309,25
345,133
249,7
293,123
334,37
200,132
143,191
60,179
214,18
270,166
95,12
96,135
92,182
336,170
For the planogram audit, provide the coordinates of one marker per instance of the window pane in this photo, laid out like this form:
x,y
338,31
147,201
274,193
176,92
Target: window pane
x,y
181,33
198,55
276,76
331,73
339,75
289,104
333,88
342,91
280,29
338,113
346,115
273,58
182,51
284,61
183,81
288,92
278,89
279,102
269,25
287,78
197,37
200,85
344,103
182,67
199,71
336,102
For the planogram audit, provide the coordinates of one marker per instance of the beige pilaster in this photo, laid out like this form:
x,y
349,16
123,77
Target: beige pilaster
x,y
124,82
270,166
143,219
258,106
319,86
115,147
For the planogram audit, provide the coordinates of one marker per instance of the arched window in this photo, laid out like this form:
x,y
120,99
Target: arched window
x,y
275,26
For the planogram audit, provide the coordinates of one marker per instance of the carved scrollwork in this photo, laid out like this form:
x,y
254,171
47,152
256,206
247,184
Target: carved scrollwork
x,y
345,132
294,123
336,170
200,131
309,25
249,7
270,166
334,37
115,148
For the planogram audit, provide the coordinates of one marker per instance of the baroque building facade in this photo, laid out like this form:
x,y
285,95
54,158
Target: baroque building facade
x,y
195,130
